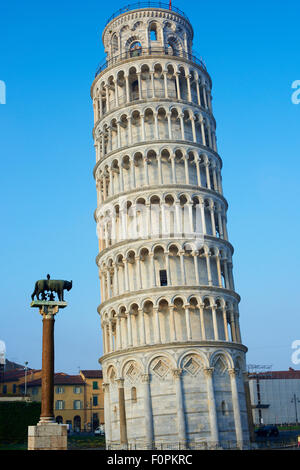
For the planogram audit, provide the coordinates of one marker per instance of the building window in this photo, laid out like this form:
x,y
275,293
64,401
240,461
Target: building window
x,y
153,36
60,390
135,49
77,405
135,90
224,408
133,394
14,388
95,386
163,277
34,391
4,388
95,421
59,405
95,400
77,390
59,419
77,423
153,32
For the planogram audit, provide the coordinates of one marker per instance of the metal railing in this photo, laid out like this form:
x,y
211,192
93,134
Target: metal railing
x,y
225,445
138,5
144,51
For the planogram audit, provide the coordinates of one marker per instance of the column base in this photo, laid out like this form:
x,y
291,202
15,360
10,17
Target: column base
x,y
47,436
46,419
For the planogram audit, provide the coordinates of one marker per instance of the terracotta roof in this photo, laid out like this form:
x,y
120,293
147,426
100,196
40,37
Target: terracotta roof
x,y
92,374
277,374
14,375
60,379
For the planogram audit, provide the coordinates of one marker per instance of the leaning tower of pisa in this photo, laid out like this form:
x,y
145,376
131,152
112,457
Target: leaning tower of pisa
x,y
173,360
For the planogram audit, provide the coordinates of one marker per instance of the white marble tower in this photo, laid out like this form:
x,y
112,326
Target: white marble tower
x,y
173,360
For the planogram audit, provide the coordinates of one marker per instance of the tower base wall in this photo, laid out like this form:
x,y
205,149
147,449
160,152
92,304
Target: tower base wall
x,y
181,397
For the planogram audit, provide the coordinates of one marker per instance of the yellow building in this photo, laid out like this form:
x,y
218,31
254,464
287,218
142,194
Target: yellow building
x,y
78,399
94,397
13,383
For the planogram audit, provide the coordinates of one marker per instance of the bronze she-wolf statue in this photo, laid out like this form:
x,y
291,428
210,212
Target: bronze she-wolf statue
x,y
51,285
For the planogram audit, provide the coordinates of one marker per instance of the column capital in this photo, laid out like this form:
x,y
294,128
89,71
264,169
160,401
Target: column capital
x,y
232,372
48,311
105,387
145,378
208,371
176,373
120,382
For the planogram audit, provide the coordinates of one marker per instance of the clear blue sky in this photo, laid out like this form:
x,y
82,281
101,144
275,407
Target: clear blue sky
x,y
49,52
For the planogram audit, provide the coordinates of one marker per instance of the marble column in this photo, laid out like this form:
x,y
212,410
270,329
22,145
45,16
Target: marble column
x,y
122,412
225,323
215,322
157,324
143,330
181,426
149,435
202,322
188,322
129,329
182,126
236,408
119,333
177,86
212,406
172,324
47,413
107,418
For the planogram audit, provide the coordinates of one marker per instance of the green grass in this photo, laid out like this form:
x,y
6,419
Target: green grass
x,y
86,442
289,428
75,441
14,445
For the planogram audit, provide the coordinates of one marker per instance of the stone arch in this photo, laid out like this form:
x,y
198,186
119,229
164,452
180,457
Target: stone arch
x,y
173,45
224,356
111,373
161,355
197,354
129,363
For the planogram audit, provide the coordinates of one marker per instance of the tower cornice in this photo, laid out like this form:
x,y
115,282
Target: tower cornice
x,y
160,142
106,67
210,345
175,290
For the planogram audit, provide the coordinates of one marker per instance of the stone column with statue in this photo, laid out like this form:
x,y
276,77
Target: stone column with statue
x,y
47,434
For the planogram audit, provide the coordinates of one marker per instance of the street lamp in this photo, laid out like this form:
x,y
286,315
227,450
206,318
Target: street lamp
x,y
25,391
295,400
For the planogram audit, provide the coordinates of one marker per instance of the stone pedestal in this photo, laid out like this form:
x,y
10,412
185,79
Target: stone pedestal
x,y
47,436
